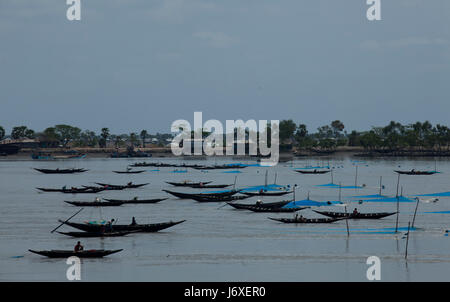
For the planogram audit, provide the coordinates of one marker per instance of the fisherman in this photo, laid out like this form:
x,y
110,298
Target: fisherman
x,y
258,202
109,225
78,247
130,183
133,221
355,212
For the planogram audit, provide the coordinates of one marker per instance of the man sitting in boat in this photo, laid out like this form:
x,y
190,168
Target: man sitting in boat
x,y
133,221
130,183
355,212
258,202
78,247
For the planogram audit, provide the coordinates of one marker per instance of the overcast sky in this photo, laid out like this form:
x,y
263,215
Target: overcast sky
x,y
141,64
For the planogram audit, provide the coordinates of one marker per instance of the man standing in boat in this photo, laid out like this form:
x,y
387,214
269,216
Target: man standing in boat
x,y
78,247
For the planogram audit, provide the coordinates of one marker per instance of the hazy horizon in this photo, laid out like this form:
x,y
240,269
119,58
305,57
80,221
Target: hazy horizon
x,y
142,64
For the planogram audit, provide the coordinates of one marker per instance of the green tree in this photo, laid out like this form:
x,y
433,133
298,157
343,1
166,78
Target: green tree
x,y
2,132
143,136
133,139
104,137
22,132
287,129
337,127
67,133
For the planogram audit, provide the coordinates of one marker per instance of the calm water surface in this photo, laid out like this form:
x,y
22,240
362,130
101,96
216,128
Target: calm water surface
x,y
219,243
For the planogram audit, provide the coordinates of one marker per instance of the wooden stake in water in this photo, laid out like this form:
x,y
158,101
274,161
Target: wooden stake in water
x,y
398,204
356,177
381,186
415,212
332,178
345,209
265,179
407,241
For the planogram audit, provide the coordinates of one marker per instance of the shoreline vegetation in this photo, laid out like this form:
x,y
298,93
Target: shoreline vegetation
x,y
394,140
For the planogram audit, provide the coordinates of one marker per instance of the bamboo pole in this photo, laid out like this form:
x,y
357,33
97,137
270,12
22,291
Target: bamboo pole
x,y
398,204
345,209
415,212
407,241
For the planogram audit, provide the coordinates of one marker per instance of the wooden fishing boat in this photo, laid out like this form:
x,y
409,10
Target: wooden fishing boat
x,y
60,171
80,254
267,193
352,215
121,187
218,167
203,186
95,203
414,172
85,190
312,172
306,220
190,195
187,183
129,172
276,210
218,198
277,204
135,200
94,234
147,228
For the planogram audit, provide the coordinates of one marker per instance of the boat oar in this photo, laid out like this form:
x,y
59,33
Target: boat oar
x,y
222,206
67,220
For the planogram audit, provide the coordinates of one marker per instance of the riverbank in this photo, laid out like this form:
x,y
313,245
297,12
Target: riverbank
x,y
159,152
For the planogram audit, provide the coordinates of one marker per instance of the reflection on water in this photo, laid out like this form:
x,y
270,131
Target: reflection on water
x,y
218,243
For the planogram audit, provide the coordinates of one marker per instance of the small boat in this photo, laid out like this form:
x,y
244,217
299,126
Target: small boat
x,y
277,204
60,171
129,172
276,210
312,172
306,220
187,183
190,195
94,234
80,254
414,172
94,203
73,190
352,215
136,200
267,193
147,228
218,198
121,187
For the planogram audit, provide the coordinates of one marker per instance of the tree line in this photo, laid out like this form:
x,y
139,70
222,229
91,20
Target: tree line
x,y
392,137
66,135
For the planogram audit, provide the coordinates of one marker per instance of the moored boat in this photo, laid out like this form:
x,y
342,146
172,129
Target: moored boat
x,y
80,254
277,204
305,220
94,234
93,227
414,172
60,171
352,215
135,200
95,203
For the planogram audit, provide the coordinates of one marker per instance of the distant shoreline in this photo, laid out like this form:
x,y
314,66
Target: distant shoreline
x,y
165,152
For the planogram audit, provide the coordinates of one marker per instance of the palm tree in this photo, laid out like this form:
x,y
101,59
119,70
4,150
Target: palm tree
x,y
143,136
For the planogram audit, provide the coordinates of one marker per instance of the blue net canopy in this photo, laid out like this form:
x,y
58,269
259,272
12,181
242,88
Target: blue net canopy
x,y
332,185
389,199
442,194
272,187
